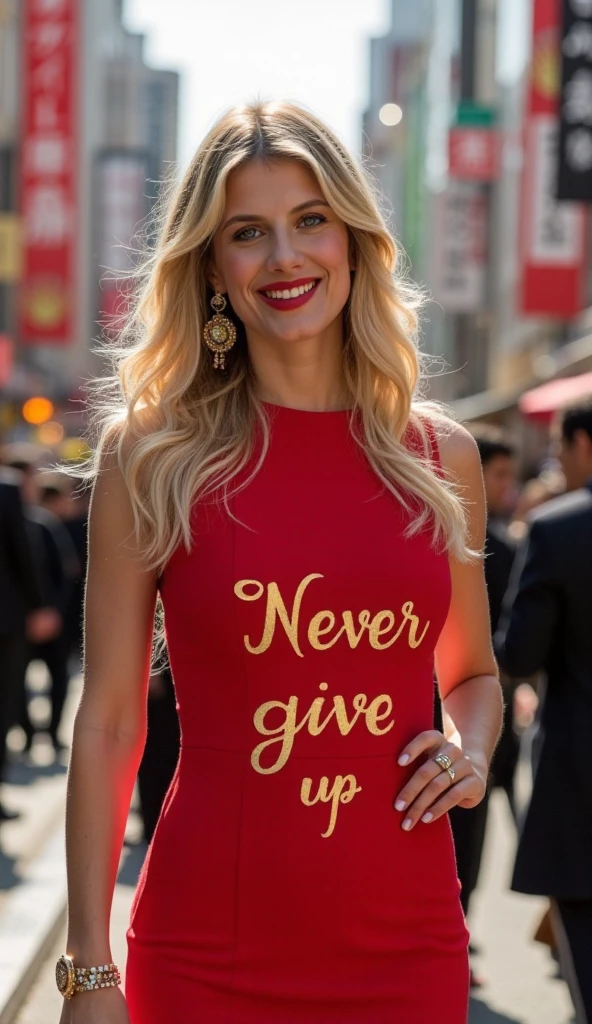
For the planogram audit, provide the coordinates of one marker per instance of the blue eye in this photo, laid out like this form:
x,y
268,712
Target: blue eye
x,y
245,235
315,218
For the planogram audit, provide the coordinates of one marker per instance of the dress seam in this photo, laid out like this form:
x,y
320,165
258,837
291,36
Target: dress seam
x,y
232,972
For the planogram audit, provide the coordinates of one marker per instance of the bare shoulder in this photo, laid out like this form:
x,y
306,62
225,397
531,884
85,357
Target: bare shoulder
x,y
112,519
457,446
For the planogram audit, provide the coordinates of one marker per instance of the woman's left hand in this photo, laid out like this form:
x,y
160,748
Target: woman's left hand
x,y
431,791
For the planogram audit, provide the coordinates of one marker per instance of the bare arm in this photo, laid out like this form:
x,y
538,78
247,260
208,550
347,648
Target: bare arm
x,y
465,663
465,667
110,725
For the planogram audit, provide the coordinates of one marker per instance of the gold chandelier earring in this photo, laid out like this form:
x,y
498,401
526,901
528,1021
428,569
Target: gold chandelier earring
x,y
219,332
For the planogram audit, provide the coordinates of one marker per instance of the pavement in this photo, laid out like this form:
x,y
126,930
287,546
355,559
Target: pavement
x,y
521,984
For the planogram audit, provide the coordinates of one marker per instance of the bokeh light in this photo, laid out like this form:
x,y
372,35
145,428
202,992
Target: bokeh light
x,y
390,114
50,433
37,410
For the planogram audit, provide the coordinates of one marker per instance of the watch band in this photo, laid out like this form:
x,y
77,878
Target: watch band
x,y
90,978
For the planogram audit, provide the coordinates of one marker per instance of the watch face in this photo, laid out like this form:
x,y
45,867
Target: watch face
x,y
65,975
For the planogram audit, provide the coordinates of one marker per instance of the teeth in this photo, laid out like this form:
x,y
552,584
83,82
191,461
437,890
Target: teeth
x,y
291,293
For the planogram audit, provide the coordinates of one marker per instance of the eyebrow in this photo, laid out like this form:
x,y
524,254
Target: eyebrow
x,y
242,218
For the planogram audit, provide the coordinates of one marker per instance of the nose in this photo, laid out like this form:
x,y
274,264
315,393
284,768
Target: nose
x,y
284,253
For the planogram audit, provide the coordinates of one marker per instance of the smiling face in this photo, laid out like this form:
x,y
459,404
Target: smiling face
x,y
282,254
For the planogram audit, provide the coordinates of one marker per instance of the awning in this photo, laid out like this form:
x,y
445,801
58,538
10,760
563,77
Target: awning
x,y
540,404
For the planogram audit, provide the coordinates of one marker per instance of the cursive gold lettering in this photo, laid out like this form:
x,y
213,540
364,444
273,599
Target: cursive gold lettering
x,y
413,621
275,609
283,734
382,628
377,629
342,791
373,716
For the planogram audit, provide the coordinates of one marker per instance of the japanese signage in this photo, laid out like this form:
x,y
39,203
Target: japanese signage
x,y
473,153
553,234
122,207
575,136
460,247
48,171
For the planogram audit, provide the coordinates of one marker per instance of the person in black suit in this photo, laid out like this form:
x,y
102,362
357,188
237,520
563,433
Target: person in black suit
x,y
23,611
468,826
547,624
58,569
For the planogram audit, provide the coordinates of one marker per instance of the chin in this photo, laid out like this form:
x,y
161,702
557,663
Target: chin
x,y
292,333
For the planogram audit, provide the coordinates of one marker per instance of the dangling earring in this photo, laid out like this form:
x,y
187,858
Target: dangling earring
x,y
219,332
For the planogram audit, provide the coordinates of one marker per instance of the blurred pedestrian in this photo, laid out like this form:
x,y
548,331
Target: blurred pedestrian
x,y
547,625
534,492
161,751
57,567
69,500
24,614
468,825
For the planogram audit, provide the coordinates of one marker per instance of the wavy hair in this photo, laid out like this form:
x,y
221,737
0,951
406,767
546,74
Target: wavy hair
x,y
182,430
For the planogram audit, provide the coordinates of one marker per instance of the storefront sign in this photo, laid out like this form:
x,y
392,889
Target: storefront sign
x,y
574,180
122,207
48,171
553,234
473,154
460,247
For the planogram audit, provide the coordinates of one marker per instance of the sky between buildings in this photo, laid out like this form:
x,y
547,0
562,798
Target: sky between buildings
x,y
232,51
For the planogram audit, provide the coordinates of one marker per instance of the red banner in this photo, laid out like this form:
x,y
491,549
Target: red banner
x,y
473,153
48,170
553,236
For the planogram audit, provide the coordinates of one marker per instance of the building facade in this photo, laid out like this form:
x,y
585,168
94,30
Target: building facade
x,y
60,59
468,200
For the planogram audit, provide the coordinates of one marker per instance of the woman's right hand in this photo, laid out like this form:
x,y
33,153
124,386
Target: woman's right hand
x,y
107,1006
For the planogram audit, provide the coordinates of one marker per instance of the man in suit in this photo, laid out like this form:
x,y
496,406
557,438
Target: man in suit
x,y
23,613
547,625
468,826
58,568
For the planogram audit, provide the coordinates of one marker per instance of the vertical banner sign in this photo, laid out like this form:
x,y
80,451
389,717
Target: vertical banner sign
x,y
460,247
122,205
48,171
553,234
574,179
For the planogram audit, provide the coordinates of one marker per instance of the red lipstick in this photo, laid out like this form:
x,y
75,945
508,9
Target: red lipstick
x,y
282,286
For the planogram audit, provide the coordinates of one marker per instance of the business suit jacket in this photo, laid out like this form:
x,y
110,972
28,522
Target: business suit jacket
x,y
548,625
500,552
20,588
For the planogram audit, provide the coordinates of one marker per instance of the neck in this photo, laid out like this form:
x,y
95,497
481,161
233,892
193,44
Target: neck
x,y
305,374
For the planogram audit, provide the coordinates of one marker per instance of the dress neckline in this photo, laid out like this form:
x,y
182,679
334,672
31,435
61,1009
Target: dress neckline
x,y
273,406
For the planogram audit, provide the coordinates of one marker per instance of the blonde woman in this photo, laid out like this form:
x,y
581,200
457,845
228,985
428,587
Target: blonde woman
x,y
315,535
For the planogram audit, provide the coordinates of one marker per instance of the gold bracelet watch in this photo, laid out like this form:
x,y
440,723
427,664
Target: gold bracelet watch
x,y
71,979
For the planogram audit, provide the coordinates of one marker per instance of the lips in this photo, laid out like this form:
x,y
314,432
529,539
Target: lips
x,y
286,295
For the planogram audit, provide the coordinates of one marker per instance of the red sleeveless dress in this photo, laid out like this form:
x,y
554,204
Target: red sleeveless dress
x,y
279,887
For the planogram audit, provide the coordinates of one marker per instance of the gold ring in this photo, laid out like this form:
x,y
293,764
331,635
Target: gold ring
x,y
443,761
452,774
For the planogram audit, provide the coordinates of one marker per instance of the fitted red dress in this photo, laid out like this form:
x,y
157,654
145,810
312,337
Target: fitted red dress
x,y
279,887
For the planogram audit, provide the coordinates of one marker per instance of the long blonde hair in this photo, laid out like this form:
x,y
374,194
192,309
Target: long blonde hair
x,y
181,429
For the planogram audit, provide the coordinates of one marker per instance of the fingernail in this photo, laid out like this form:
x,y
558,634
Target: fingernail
x,y
404,759
400,805
427,817
407,824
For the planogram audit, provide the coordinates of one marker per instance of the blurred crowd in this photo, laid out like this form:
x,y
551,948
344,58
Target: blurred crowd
x,y
538,570
43,522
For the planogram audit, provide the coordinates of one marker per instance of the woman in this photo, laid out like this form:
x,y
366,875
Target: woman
x,y
315,536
